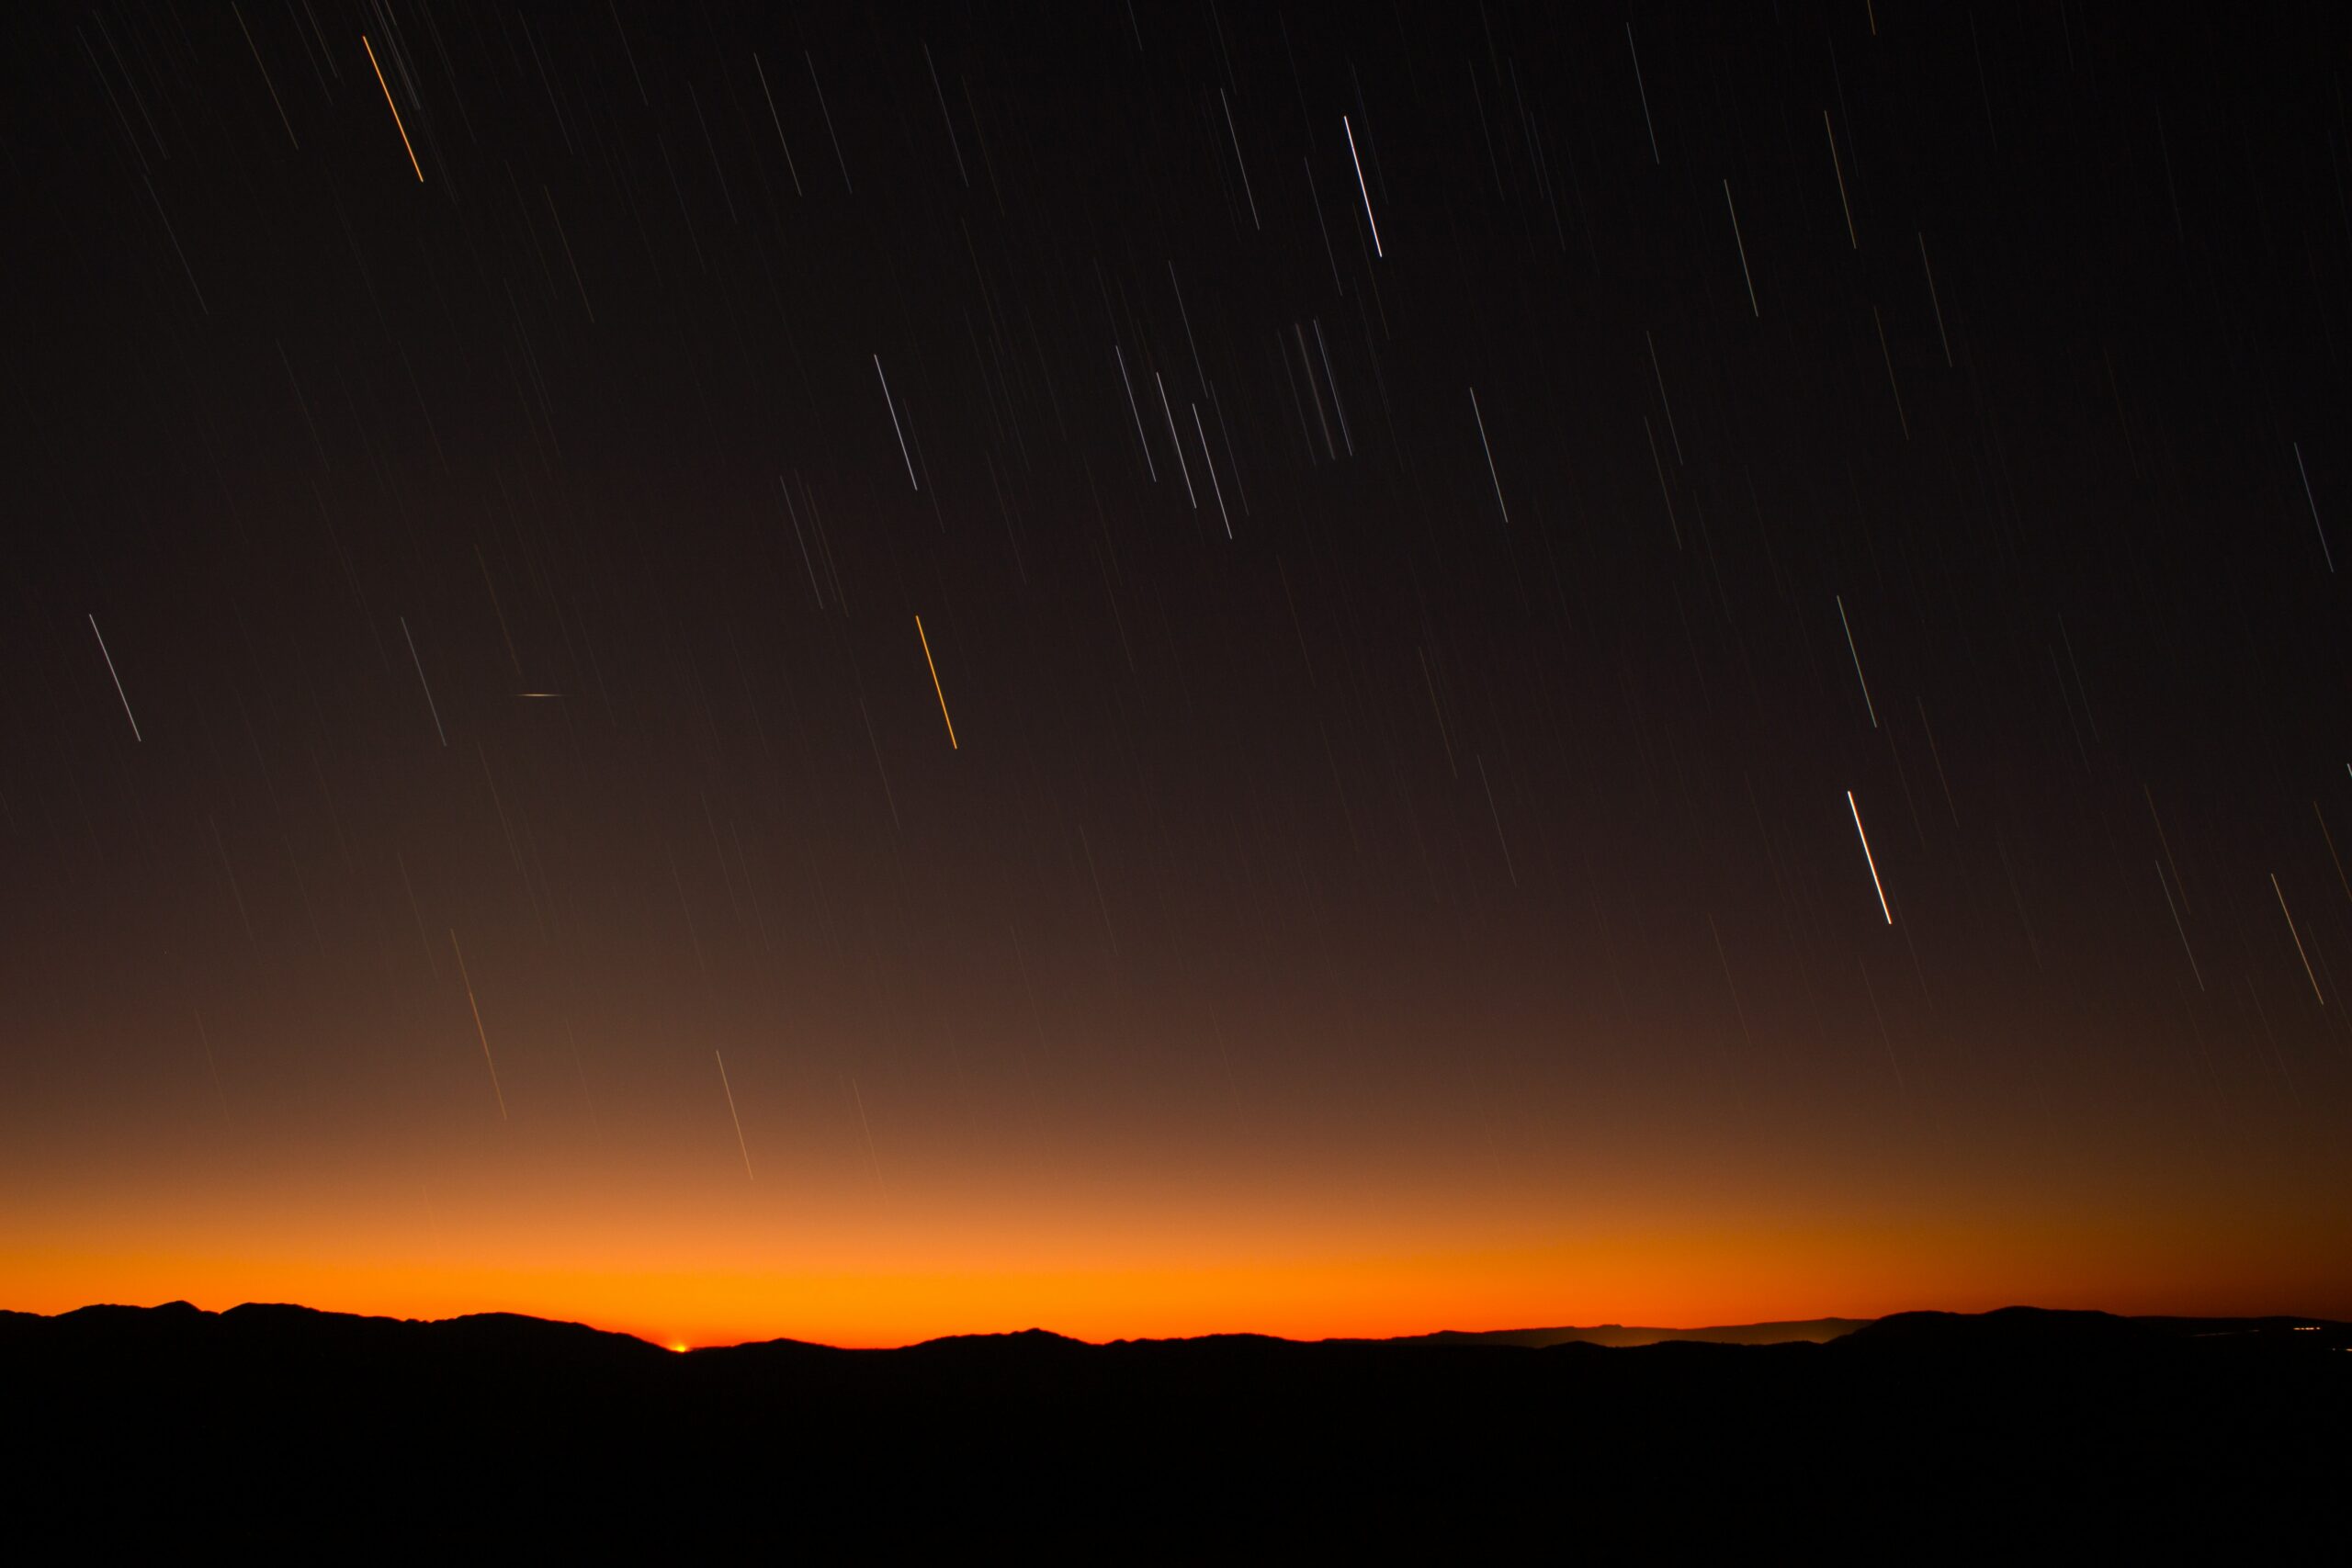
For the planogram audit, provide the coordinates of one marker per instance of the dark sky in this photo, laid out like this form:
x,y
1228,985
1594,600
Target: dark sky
x,y
1421,515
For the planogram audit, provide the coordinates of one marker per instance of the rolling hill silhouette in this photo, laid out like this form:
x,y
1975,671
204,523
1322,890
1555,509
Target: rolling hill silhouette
x,y
1811,1331
266,1421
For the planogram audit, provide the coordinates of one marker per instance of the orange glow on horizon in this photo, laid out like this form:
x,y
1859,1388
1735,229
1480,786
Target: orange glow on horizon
x,y
912,1237
1688,1280
923,1206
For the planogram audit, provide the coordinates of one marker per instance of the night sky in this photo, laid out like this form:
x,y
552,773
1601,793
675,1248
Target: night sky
x,y
862,673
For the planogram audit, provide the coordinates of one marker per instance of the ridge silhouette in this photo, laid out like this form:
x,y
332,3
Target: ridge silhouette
x,y
272,1417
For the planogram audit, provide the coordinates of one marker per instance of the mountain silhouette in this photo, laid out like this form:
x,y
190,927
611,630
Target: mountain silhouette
x,y
276,1423
1812,1331
1032,1341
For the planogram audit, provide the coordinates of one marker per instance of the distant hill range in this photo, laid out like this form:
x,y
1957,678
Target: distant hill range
x,y
2021,1433
307,1321
1813,1331
2021,1328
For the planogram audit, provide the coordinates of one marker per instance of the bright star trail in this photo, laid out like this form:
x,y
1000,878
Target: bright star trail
x,y
400,124
1860,831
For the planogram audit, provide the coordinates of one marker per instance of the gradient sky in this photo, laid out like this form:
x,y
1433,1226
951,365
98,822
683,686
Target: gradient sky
x,y
1395,867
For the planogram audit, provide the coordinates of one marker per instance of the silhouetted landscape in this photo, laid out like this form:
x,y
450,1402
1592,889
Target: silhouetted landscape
x,y
2011,1425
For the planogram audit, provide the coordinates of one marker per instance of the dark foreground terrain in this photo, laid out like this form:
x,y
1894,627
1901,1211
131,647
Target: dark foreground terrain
x,y
2023,1433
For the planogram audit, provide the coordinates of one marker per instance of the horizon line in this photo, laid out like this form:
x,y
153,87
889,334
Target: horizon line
x,y
1666,1331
